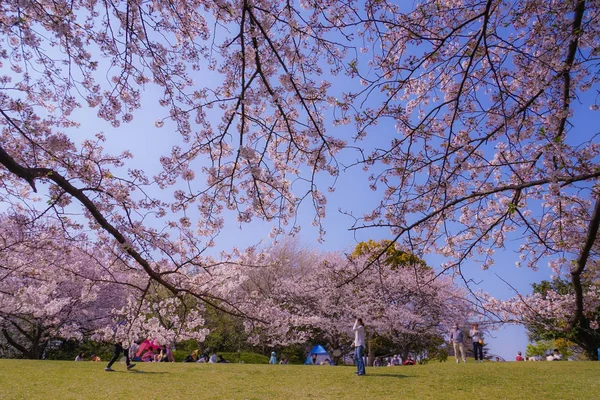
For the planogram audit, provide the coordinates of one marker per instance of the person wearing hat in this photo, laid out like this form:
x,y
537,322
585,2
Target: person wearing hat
x,y
273,359
456,339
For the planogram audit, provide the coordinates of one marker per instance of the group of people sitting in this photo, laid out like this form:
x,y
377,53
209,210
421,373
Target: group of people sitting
x,y
554,356
395,360
147,351
314,360
205,357
81,357
151,355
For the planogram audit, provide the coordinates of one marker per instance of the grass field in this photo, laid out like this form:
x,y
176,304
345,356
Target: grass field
x,y
23,379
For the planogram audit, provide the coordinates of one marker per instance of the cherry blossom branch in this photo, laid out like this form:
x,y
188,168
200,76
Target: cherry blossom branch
x,y
30,175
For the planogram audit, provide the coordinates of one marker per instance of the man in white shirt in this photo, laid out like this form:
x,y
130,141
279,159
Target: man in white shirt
x,y
359,346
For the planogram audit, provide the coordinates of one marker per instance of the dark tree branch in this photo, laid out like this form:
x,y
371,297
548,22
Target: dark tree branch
x,y
590,239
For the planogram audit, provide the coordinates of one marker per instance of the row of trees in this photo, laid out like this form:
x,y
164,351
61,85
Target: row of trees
x,y
51,289
466,114
318,297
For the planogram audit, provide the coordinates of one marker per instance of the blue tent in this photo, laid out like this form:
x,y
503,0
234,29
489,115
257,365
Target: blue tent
x,y
322,356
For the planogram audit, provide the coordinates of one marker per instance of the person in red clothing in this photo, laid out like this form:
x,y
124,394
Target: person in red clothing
x,y
409,361
519,357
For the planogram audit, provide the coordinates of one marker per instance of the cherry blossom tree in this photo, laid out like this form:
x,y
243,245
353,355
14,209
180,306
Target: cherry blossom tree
x,y
52,287
57,56
483,96
547,312
49,288
489,149
405,303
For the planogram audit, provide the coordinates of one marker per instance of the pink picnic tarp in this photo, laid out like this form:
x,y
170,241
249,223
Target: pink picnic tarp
x,y
150,345
147,345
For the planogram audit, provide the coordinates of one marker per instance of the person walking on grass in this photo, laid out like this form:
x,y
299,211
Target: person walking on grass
x,y
477,338
456,339
359,346
119,350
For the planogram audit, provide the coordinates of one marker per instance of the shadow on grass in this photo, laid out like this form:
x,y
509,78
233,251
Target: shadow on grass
x,y
389,376
137,371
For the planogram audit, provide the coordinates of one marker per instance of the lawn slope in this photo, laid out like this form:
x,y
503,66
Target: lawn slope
x,y
24,379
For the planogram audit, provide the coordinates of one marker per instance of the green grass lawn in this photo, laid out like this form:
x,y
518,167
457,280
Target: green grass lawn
x,y
24,379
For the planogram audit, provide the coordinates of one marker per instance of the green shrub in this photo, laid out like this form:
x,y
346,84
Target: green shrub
x,y
295,354
180,355
69,349
187,346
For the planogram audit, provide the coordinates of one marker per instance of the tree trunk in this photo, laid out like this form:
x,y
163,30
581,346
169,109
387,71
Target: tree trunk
x,y
591,353
587,339
13,343
404,354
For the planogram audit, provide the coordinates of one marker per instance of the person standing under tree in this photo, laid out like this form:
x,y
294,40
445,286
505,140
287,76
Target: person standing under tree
x,y
118,339
477,338
359,345
456,339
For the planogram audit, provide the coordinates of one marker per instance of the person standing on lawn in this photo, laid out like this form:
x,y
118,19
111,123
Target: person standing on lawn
x,y
359,346
477,338
456,339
